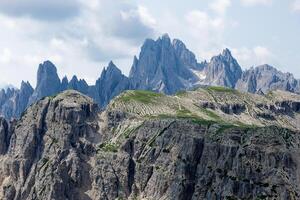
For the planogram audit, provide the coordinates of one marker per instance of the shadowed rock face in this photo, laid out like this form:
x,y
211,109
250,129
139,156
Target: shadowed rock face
x,y
48,82
110,84
163,66
64,148
13,101
4,136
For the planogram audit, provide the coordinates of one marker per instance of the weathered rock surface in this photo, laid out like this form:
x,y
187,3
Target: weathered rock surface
x,y
266,78
222,70
163,66
13,101
48,82
110,84
63,147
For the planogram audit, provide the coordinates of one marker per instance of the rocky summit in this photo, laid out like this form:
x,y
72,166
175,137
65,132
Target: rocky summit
x,y
163,65
210,143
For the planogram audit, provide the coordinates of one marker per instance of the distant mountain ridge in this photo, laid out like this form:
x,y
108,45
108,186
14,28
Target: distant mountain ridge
x,y
162,66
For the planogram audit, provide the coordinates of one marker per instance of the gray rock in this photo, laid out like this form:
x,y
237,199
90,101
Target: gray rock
x,y
266,78
13,101
79,85
110,84
48,82
4,136
222,70
185,56
64,83
163,66
62,149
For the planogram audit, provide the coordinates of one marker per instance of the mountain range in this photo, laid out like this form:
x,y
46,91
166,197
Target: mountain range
x,y
163,66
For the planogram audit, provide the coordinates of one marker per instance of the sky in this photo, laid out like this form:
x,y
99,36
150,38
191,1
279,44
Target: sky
x,y
81,36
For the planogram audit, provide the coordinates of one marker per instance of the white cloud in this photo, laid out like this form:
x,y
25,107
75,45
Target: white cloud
x,y
256,2
102,31
296,5
5,56
257,55
207,30
220,6
263,54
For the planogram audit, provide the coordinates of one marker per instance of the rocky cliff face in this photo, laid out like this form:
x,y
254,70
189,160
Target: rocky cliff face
x,y
163,66
110,84
48,82
13,101
64,148
265,78
222,70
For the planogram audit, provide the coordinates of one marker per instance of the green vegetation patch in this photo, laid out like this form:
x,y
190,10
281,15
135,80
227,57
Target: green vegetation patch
x,y
221,89
142,96
129,131
108,147
181,93
183,112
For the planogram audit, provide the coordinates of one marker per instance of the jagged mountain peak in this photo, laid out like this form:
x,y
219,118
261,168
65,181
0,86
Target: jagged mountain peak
x,y
223,70
266,78
46,70
65,79
162,66
226,53
110,70
225,56
47,66
74,79
26,85
178,43
165,37
48,82
113,68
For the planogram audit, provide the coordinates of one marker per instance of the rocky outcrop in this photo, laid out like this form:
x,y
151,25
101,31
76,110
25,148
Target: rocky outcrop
x,y
13,101
79,85
222,70
266,78
110,84
48,82
4,136
64,148
51,144
185,56
163,66
23,98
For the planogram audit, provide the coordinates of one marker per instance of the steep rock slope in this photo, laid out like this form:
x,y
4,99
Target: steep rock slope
x,y
48,82
265,78
222,70
64,148
110,84
13,101
163,66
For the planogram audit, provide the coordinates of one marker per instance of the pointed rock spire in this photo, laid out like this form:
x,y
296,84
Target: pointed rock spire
x,y
48,82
